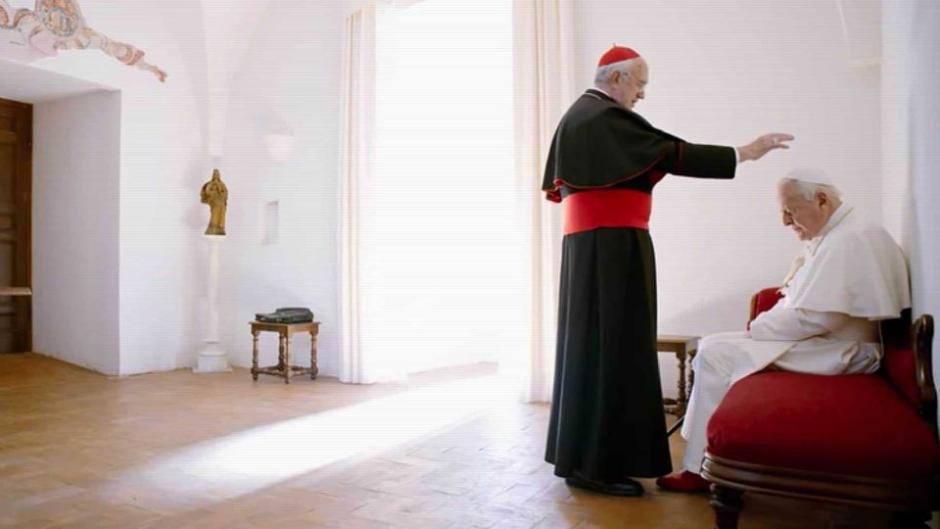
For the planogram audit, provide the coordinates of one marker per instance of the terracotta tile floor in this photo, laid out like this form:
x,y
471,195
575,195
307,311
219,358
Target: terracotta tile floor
x,y
449,449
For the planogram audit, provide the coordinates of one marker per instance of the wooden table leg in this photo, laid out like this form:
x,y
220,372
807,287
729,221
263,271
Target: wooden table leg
x,y
682,397
314,370
287,370
254,354
280,353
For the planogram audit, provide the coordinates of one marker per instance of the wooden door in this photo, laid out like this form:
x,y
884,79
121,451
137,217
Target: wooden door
x,y
16,142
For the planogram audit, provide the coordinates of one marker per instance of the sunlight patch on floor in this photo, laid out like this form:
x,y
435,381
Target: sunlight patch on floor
x,y
254,459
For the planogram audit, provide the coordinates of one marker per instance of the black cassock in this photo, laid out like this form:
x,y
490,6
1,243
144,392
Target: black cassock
x,y
607,419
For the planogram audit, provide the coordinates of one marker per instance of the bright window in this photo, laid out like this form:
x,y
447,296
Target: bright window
x,y
443,245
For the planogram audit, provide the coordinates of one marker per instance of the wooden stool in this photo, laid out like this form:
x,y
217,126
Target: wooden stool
x,y
284,367
684,348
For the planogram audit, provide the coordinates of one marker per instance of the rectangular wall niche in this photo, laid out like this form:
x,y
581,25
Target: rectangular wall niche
x,y
270,222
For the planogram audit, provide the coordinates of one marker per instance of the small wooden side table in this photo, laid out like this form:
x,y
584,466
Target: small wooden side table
x,y
284,367
684,348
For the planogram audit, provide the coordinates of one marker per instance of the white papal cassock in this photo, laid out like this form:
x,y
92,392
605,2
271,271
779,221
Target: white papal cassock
x,y
852,275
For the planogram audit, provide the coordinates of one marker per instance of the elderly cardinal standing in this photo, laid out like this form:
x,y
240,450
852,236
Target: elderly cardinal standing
x,y
607,424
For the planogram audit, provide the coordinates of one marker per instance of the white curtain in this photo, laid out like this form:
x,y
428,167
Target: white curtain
x,y
544,87
357,136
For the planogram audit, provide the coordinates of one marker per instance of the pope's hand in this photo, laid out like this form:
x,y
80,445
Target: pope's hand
x,y
764,144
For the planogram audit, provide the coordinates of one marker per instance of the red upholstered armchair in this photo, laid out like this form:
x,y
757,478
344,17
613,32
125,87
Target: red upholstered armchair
x,y
865,440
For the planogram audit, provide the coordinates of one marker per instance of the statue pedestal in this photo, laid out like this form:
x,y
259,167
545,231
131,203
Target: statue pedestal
x,y
213,358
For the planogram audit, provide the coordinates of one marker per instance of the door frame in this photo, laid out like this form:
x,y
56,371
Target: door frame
x,y
23,265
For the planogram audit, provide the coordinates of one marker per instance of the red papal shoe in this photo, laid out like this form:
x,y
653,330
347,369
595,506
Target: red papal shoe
x,y
683,481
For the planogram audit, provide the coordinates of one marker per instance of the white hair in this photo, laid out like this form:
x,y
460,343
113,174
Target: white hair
x,y
603,73
808,189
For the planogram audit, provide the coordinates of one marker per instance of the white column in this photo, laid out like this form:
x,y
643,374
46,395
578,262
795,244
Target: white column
x,y
212,358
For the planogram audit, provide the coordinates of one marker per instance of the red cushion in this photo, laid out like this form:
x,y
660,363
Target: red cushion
x,y
847,424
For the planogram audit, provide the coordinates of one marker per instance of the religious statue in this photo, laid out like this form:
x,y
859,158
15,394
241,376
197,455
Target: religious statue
x,y
215,194
54,25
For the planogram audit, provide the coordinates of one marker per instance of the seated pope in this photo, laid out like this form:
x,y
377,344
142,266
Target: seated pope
x,y
850,275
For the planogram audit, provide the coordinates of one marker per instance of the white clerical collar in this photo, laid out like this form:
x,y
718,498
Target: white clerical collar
x,y
837,217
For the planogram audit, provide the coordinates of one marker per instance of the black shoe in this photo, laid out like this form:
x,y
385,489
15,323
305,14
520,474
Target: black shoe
x,y
627,487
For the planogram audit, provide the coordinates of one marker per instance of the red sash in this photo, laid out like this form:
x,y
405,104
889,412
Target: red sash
x,y
606,208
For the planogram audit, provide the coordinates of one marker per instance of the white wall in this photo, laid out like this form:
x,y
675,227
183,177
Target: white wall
x,y
287,84
290,75
162,166
912,159
725,72
770,67
76,174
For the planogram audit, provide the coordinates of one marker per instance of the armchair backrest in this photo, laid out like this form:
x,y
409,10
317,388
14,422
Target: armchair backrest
x,y
907,361
762,302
